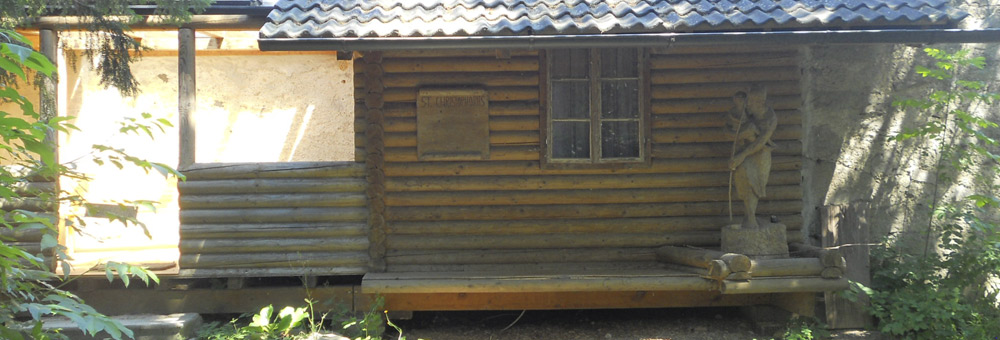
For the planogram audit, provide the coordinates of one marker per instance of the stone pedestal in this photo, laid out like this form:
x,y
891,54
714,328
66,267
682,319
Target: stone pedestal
x,y
765,242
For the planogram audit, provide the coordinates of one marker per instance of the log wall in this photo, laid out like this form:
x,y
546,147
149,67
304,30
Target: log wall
x,y
273,219
450,215
29,237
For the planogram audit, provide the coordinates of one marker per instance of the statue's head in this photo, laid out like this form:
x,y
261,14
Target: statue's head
x,y
740,99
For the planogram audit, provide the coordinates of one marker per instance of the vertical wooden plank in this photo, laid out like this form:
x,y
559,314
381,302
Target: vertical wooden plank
x,y
846,226
375,160
186,96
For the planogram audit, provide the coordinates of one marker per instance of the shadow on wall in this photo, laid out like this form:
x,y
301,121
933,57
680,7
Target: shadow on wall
x,y
275,108
849,157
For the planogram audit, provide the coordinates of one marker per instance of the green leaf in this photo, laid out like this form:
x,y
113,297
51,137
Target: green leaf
x,y
48,241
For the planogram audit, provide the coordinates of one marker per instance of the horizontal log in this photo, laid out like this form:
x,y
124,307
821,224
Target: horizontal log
x,y
778,163
293,200
717,105
24,173
832,273
447,64
375,284
715,119
710,135
26,203
516,256
273,215
359,269
271,185
590,240
611,181
787,267
497,153
394,111
430,53
783,285
33,248
33,188
496,94
539,269
234,246
464,79
497,138
829,257
274,260
581,196
601,225
271,230
205,171
722,49
723,90
703,258
740,60
716,270
581,211
720,149
725,75
514,123
465,271
24,233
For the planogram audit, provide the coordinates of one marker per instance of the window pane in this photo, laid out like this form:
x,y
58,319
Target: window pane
x,y
620,99
619,62
571,99
571,140
620,139
569,63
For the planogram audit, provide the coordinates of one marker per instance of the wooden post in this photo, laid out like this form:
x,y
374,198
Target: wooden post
x,y
846,226
186,96
375,159
49,46
49,108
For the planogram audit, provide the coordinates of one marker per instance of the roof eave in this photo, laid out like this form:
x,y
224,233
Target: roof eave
x,y
872,36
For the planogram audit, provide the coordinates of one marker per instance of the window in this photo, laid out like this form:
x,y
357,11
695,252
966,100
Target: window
x,y
596,110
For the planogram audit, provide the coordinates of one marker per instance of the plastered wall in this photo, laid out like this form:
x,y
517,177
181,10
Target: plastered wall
x,y
849,159
251,108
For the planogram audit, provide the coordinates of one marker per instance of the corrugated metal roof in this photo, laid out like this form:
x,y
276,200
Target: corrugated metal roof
x,y
423,18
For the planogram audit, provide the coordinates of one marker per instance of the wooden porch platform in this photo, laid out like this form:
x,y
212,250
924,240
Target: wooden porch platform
x,y
512,279
655,277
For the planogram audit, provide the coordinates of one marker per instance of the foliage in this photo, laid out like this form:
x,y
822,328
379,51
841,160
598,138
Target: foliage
x,y
301,323
950,292
29,289
800,328
105,26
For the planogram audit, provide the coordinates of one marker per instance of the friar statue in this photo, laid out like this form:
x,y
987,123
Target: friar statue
x,y
753,122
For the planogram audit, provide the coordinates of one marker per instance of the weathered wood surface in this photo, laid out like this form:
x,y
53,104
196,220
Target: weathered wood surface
x,y
212,301
511,206
375,96
273,219
703,258
187,101
28,237
511,281
788,267
568,300
783,285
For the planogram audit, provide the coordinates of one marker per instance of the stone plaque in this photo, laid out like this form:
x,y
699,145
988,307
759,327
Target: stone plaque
x,y
453,124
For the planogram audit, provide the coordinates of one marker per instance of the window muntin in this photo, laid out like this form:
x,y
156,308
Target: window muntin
x,y
595,106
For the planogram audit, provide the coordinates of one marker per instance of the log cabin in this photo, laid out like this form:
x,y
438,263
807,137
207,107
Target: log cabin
x,y
534,154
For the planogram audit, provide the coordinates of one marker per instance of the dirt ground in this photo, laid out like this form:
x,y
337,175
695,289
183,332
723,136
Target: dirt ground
x,y
633,324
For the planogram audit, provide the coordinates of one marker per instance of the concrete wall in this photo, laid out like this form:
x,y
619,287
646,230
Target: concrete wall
x,y
849,120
